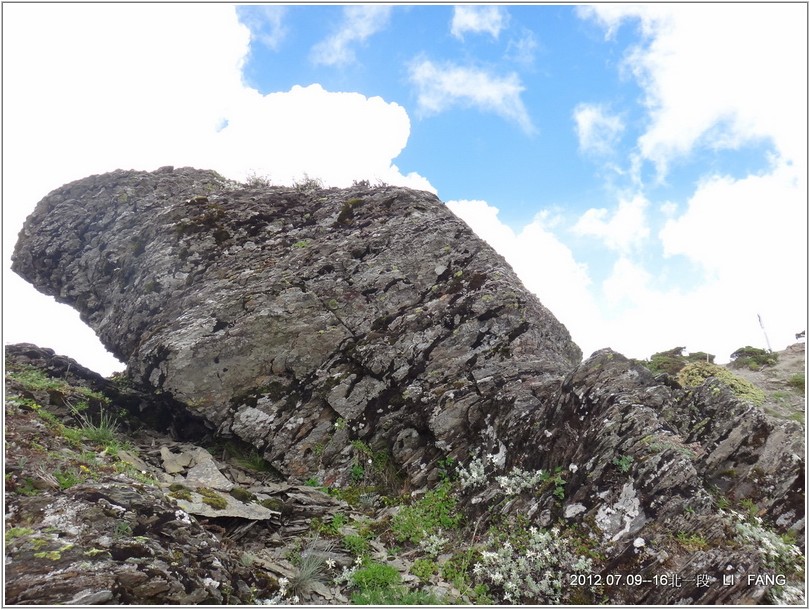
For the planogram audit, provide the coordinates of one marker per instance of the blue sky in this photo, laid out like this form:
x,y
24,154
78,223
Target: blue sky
x,y
642,167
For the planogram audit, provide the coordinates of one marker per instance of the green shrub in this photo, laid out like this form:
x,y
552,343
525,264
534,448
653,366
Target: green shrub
x,y
67,478
395,596
437,509
752,358
670,361
375,576
423,569
356,545
696,373
797,382
623,463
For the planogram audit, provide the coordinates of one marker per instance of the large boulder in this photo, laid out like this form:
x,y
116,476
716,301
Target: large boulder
x,y
279,314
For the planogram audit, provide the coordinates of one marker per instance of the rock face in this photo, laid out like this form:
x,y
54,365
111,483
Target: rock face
x,y
310,322
275,313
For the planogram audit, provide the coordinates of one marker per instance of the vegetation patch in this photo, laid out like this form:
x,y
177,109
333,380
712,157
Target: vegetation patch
x,y
695,374
176,490
530,566
243,495
436,510
797,382
212,498
375,576
753,358
672,361
691,542
424,568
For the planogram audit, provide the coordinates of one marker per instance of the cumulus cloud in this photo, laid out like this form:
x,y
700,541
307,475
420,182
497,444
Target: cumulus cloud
x,y
442,86
332,136
478,20
623,231
749,236
708,82
99,97
597,130
266,23
710,86
359,24
626,282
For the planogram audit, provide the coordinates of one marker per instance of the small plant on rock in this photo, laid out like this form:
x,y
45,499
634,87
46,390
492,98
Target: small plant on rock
x,y
311,565
423,569
530,567
437,509
623,463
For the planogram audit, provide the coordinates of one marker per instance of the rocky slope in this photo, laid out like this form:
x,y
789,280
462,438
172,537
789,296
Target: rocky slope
x,y
782,383
365,340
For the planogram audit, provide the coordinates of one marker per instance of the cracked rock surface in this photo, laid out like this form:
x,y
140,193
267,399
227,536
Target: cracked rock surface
x,y
312,323
274,312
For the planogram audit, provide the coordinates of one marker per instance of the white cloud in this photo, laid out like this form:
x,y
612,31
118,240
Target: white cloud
x,y
133,86
266,23
478,20
335,137
443,86
626,282
715,77
749,235
718,75
359,24
597,130
623,231
522,49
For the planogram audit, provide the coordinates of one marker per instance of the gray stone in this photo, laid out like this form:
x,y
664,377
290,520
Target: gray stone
x,y
233,508
89,598
206,474
174,463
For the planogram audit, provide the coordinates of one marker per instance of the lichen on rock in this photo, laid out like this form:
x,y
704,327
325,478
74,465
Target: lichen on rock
x,y
360,335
